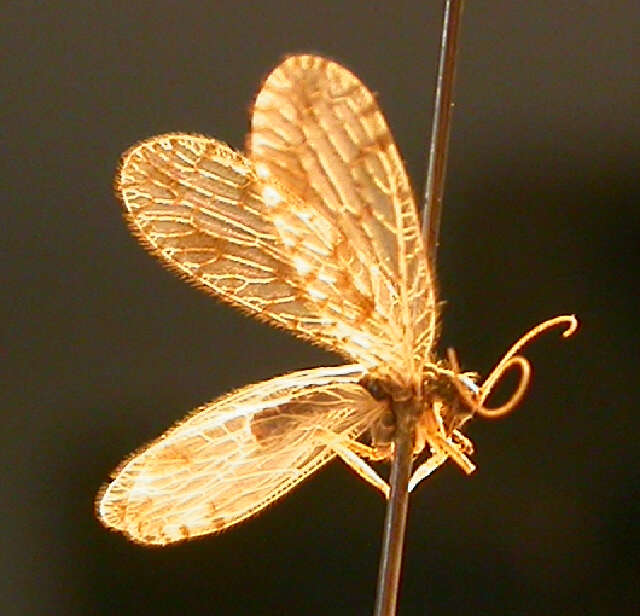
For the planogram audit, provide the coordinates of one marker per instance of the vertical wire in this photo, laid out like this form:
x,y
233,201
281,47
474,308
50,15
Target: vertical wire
x,y
396,513
440,128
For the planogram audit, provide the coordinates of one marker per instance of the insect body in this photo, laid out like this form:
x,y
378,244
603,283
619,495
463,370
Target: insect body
x,y
315,230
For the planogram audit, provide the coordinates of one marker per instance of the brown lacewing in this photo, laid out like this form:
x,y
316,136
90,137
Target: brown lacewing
x,y
314,230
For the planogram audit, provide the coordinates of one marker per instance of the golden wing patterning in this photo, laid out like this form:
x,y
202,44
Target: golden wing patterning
x,y
236,455
316,231
319,131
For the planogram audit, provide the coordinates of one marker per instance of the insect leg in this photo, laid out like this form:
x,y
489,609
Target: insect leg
x,y
426,468
466,446
375,453
456,451
357,464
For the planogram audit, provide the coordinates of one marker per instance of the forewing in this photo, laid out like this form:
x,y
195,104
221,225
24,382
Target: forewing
x,y
206,211
236,455
318,130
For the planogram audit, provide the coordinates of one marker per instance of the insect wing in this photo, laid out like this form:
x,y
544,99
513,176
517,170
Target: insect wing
x,y
236,455
203,209
317,233
319,131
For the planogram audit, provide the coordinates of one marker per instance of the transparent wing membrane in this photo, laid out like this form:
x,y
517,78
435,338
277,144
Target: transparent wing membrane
x,y
316,231
319,131
236,455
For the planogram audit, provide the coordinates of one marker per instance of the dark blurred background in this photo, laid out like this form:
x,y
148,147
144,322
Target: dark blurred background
x,y
102,349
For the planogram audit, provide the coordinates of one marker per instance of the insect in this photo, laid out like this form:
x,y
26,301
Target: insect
x,y
316,231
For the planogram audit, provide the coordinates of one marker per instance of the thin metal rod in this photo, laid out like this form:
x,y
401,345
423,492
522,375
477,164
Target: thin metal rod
x,y
442,113
395,520
396,514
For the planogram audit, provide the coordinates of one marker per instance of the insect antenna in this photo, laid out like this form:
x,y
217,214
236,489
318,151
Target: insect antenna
x,y
510,359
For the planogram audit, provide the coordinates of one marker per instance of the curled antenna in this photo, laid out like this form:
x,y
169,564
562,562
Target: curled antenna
x,y
511,359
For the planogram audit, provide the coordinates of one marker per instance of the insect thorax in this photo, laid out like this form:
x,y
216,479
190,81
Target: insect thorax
x,y
437,413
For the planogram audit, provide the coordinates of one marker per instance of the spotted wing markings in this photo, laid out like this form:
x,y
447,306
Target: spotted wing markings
x,y
316,128
236,455
276,257
315,231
